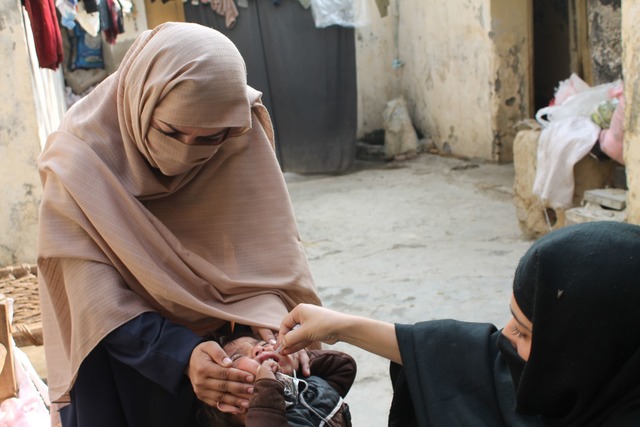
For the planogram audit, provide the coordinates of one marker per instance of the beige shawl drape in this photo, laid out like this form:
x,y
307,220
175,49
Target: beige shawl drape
x,y
216,242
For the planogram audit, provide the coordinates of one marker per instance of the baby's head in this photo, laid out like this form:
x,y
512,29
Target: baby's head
x,y
248,353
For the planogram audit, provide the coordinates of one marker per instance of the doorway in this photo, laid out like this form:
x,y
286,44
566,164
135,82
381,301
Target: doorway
x,y
551,48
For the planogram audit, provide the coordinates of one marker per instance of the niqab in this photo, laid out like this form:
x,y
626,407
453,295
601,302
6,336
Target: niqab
x,y
579,286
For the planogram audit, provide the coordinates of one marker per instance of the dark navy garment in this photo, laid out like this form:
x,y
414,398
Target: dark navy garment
x,y
136,378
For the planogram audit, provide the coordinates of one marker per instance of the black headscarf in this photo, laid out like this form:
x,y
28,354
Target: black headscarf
x,y
580,287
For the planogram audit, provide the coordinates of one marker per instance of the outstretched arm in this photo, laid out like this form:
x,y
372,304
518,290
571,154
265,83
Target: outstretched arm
x,y
321,324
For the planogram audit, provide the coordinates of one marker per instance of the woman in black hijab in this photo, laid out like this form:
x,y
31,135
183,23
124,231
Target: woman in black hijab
x,y
569,356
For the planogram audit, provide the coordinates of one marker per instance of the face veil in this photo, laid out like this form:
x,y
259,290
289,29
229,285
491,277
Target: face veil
x,y
186,76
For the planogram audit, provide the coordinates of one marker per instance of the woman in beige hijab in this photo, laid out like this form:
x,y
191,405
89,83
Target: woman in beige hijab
x,y
164,216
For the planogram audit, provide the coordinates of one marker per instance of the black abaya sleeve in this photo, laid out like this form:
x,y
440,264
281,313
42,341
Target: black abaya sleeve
x,y
448,372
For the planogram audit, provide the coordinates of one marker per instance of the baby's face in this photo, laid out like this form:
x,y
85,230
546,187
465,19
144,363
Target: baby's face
x,y
248,353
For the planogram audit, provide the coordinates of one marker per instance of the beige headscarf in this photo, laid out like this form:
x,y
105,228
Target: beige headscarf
x,y
215,241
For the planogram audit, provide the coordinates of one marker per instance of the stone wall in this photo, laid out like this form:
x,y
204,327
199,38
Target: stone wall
x,y
605,34
535,217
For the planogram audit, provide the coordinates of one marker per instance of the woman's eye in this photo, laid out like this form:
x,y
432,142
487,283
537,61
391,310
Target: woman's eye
x,y
517,332
164,132
216,137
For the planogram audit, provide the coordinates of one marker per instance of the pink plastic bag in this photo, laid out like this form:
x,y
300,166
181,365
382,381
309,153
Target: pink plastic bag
x,y
568,88
611,139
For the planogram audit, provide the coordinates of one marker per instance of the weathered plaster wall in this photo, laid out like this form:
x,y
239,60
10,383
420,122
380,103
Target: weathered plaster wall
x,y
36,107
449,73
631,70
375,51
463,79
19,142
511,94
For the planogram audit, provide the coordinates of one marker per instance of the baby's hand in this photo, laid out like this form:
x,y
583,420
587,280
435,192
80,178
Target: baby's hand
x,y
267,370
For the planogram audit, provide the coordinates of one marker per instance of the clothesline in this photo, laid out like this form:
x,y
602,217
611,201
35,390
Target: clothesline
x,y
92,15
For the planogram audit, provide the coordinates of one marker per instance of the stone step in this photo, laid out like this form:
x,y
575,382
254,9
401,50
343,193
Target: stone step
x,y
593,212
612,198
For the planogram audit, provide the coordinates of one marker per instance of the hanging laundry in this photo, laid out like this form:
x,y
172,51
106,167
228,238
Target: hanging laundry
x,y
90,6
111,20
67,9
46,32
85,50
226,8
90,22
345,13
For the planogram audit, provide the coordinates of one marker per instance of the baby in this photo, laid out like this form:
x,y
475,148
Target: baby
x,y
280,398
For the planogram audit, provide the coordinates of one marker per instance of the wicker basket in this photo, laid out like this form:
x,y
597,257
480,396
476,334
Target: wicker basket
x,y
21,284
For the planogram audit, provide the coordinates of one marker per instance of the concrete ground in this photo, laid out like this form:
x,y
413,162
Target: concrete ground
x,y
427,238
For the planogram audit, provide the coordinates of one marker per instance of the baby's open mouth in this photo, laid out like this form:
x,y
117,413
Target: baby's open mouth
x,y
266,355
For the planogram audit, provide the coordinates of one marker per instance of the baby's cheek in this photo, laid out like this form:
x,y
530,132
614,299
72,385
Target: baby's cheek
x,y
247,364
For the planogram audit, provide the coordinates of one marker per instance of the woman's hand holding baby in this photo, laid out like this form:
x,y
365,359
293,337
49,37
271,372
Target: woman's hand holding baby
x,y
215,382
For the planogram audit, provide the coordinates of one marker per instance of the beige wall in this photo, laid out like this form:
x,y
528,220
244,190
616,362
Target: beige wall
x,y
19,141
36,106
463,73
631,71
511,34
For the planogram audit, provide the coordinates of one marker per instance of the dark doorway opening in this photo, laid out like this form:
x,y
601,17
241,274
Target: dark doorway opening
x,y
551,48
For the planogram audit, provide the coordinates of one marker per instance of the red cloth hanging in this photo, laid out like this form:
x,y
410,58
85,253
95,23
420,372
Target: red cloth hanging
x,y
113,20
46,32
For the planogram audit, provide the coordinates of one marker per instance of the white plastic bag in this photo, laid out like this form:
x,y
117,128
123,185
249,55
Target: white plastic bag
x,y
569,87
560,146
31,407
581,104
345,13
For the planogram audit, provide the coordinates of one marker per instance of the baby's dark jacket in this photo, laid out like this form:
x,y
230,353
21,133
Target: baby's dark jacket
x,y
267,405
